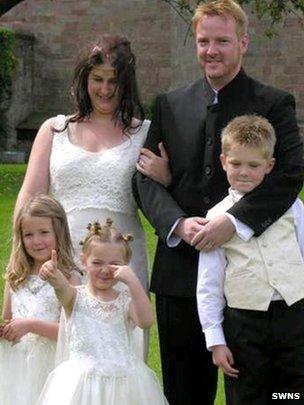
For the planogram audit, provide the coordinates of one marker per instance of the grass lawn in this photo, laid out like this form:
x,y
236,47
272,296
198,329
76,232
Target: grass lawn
x,y
10,180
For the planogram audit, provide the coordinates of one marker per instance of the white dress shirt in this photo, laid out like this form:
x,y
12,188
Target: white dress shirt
x,y
211,277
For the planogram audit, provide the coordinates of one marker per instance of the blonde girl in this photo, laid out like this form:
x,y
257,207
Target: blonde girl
x,y
30,308
100,366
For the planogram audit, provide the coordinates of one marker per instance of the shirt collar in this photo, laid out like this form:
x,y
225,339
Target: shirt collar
x,y
235,195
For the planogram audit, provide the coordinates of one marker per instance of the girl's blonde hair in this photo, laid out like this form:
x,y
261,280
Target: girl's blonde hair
x,y
223,8
106,234
20,263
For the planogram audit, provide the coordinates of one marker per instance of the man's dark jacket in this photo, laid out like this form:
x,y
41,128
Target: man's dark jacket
x,y
189,125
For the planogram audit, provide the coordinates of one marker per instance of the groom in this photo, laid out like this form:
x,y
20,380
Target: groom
x,y
188,122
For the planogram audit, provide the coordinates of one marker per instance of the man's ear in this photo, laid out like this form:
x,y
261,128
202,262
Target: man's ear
x,y
244,44
223,161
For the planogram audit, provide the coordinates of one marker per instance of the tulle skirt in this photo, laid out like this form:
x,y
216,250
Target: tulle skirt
x,y
74,383
24,368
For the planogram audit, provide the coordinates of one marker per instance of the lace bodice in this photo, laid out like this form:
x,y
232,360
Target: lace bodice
x,y
98,333
35,299
80,179
25,366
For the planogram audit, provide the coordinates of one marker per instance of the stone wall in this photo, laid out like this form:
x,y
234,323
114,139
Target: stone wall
x,y
21,103
279,61
62,27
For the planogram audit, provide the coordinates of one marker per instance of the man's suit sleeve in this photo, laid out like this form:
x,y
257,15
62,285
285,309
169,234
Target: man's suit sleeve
x,y
155,201
266,203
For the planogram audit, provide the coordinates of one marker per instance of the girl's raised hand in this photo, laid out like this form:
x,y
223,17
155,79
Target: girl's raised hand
x,y
121,273
49,269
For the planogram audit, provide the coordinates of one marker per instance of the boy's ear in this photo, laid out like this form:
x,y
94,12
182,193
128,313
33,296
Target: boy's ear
x,y
223,161
270,165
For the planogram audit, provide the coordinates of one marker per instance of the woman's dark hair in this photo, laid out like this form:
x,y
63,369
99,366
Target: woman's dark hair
x,y
117,51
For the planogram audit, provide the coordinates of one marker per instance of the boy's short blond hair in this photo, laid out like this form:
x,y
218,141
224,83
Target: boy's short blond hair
x,y
223,8
252,131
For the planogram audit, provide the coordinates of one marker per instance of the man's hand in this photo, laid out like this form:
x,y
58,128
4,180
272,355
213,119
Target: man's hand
x,y
187,228
214,234
155,167
222,358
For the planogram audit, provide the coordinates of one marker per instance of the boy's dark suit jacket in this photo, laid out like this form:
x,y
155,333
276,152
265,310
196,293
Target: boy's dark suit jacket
x,y
189,125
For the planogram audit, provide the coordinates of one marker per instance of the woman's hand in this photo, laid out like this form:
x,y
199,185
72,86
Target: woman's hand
x,y
155,167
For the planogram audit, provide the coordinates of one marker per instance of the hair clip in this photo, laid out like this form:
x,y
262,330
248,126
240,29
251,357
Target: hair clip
x,y
109,222
96,49
127,238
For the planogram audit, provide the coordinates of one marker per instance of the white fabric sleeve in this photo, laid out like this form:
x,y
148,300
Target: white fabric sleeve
x,y
210,295
242,230
298,213
172,239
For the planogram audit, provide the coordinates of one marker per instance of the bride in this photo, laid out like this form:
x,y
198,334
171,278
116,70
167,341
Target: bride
x,y
86,160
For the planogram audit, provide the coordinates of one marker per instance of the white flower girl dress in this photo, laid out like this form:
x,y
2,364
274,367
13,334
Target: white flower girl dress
x,y
99,366
25,366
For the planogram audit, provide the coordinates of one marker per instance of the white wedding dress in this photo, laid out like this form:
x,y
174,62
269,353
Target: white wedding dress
x,y
97,365
25,366
96,186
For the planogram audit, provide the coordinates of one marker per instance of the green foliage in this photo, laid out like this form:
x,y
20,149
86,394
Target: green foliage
x,y
272,10
8,63
7,58
149,109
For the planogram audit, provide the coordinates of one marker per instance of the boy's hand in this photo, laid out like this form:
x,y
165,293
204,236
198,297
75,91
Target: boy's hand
x,y
48,270
122,273
222,357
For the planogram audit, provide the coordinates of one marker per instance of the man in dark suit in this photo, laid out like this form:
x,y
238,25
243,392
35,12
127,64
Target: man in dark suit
x,y
188,122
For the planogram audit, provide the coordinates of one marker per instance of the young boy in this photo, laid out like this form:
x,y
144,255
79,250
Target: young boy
x,y
250,292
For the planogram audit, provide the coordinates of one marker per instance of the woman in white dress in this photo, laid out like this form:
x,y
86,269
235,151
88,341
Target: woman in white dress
x,y
86,160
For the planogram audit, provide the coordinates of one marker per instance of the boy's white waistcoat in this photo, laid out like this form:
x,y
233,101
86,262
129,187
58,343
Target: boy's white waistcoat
x,y
266,263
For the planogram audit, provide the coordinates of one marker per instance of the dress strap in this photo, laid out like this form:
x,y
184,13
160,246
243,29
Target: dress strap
x,y
60,121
